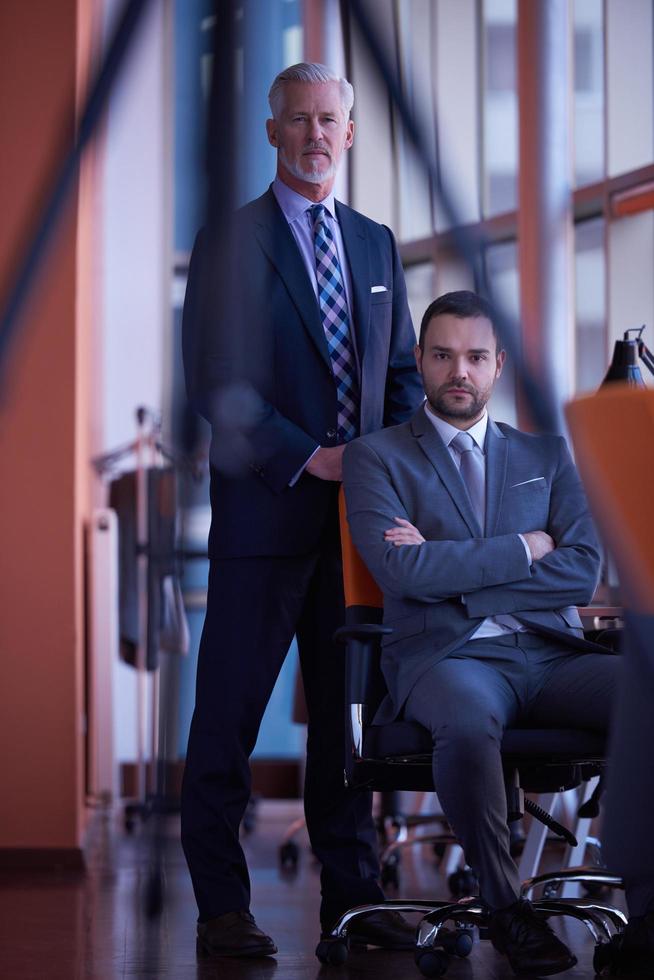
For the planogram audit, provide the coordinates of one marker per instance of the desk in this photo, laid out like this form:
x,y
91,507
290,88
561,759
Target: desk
x,y
599,617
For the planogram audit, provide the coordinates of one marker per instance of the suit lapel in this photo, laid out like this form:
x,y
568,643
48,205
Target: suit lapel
x,y
277,241
497,448
356,247
438,455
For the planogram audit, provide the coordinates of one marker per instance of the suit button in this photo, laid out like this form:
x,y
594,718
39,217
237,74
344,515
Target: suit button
x,y
331,433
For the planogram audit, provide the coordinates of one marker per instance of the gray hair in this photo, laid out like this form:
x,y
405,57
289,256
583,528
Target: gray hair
x,y
310,72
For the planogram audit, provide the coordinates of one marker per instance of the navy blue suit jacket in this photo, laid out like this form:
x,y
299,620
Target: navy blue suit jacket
x,y
269,353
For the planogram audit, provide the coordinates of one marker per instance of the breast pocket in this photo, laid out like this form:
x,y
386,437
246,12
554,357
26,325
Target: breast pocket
x,y
531,486
527,505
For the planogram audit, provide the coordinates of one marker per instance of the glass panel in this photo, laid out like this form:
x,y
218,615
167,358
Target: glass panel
x,y
590,305
373,182
420,290
589,90
502,272
629,84
414,30
630,280
500,106
457,70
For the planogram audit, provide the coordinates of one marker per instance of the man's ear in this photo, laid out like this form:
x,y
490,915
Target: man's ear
x,y
349,134
417,353
499,363
271,130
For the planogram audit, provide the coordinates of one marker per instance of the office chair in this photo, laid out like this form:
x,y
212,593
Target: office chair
x,y
399,756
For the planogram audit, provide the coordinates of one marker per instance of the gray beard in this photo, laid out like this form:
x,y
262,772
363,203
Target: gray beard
x,y
314,177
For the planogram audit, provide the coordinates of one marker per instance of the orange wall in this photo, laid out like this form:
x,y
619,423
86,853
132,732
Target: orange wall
x,y
41,493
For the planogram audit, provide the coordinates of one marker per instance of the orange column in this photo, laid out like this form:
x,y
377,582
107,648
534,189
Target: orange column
x,y
43,493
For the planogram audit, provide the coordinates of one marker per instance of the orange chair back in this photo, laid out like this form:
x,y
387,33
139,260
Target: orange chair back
x,y
613,436
360,587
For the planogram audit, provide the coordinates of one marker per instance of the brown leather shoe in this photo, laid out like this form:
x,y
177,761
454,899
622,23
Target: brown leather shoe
x,y
233,934
525,937
386,929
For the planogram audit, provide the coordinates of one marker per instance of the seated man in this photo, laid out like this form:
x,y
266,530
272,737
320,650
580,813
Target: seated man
x,y
480,538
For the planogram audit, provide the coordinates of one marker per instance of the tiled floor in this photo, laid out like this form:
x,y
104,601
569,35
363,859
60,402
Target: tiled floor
x,y
65,926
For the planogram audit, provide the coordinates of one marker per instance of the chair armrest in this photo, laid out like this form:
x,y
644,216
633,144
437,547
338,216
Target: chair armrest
x,y
364,682
361,631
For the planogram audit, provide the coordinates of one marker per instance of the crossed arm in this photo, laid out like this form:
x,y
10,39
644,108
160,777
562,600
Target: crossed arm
x,y
493,573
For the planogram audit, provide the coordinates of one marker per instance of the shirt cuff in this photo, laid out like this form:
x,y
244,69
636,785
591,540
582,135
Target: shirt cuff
x,y
299,473
526,546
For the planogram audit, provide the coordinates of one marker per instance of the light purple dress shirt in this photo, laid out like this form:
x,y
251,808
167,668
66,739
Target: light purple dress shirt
x,y
295,208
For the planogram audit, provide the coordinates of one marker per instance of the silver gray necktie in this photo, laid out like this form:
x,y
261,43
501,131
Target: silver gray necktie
x,y
472,473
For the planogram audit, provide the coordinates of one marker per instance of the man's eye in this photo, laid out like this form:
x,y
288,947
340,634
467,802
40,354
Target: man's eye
x,y
440,355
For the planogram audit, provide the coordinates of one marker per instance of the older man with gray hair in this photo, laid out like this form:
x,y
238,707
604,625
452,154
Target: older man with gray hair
x,y
321,302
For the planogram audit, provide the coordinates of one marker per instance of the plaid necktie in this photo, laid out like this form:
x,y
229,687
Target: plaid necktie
x,y
472,473
335,322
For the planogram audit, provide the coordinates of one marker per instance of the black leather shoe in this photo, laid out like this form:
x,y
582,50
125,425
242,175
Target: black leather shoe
x,y
233,934
386,929
528,941
633,952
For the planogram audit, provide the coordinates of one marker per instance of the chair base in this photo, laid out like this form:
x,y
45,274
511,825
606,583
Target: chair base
x,y
435,944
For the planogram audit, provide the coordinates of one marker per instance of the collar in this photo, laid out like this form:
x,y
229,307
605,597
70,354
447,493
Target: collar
x,y
449,432
294,205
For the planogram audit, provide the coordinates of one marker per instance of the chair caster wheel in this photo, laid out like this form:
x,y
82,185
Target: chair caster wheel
x,y
289,855
431,962
463,883
334,952
603,957
390,873
462,943
154,894
456,942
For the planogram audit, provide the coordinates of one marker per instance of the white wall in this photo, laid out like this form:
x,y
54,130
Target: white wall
x,y
134,268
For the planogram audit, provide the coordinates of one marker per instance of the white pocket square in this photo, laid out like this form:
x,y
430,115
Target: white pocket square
x,y
535,479
378,289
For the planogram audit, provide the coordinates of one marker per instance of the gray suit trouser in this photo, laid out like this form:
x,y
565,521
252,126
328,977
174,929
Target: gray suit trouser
x,y
468,699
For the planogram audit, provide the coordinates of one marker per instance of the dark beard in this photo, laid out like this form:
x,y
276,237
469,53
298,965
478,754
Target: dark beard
x,y
464,412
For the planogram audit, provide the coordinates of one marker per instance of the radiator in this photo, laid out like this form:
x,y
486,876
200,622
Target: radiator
x,y
102,652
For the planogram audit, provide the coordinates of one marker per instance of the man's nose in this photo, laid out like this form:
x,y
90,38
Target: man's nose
x,y
315,130
458,369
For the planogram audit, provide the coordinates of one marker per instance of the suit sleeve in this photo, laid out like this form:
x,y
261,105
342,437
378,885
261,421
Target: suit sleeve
x,y
566,576
249,433
403,390
430,572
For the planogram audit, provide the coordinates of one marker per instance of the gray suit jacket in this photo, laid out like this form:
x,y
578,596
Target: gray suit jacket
x,y
531,484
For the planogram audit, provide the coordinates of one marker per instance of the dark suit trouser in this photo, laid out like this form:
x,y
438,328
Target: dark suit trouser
x,y
468,699
254,607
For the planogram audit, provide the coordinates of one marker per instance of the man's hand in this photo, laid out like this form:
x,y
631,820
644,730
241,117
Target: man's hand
x,y
405,533
539,543
327,464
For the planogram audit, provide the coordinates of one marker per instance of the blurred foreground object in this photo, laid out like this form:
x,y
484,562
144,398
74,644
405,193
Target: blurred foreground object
x,y
613,435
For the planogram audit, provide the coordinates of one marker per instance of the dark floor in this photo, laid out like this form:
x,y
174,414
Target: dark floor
x,y
64,926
